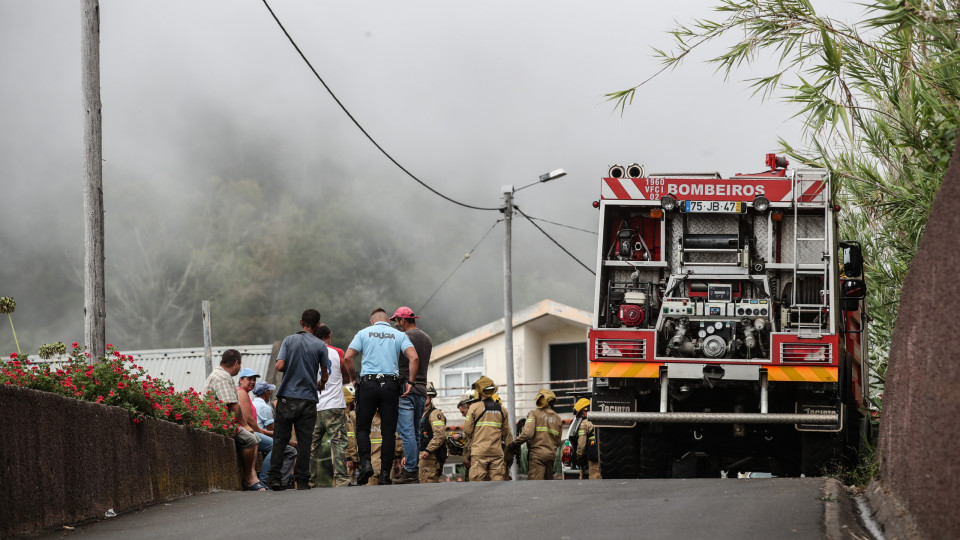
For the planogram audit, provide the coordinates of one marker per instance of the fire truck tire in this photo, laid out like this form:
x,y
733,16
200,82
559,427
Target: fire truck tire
x,y
655,454
820,453
618,452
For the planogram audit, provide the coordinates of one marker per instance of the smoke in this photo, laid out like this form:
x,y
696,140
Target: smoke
x,y
200,99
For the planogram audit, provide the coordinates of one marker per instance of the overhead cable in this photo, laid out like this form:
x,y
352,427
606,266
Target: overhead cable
x,y
463,260
354,120
562,225
553,240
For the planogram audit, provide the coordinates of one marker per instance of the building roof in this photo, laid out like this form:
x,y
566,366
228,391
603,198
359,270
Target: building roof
x,y
540,314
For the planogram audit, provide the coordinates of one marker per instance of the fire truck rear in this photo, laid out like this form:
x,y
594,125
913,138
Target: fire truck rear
x,y
729,329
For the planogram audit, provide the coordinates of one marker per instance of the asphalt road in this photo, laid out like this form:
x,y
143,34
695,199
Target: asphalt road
x,y
716,509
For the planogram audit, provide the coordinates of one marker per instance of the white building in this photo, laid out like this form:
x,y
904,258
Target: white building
x,y
549,345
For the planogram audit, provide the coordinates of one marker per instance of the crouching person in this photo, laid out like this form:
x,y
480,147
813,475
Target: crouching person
x,y
220,382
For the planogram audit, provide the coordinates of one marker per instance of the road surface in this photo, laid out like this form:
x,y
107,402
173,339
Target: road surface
x,y
717,509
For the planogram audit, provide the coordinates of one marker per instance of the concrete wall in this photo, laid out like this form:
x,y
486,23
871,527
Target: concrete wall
x,y
921,405
65,461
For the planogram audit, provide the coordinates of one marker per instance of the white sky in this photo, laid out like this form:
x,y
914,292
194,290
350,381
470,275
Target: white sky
x,y
468,96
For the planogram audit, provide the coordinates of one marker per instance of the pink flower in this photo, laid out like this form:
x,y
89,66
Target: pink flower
x,y
75,345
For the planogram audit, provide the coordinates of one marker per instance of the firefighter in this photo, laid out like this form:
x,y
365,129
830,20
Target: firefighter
x,y
352,455
433,440
508,454
541,432
486,426
587,455
376,446
458,444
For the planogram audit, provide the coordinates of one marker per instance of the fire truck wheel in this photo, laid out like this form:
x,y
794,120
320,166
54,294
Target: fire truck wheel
x,y
618,452
820,453
655,459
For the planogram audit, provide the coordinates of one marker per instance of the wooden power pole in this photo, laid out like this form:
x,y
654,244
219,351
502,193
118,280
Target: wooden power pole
x,y
94,302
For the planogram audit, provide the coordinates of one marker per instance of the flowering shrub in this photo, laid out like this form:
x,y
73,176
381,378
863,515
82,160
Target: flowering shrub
x,y
115,380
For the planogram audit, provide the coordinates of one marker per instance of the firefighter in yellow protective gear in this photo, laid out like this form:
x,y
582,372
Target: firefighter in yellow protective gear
x,y
587,455
508,453
541,432
486,425
433,440
376,445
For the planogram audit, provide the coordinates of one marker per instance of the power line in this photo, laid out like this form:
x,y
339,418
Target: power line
x,y
463,260
562,225
354,120
554,241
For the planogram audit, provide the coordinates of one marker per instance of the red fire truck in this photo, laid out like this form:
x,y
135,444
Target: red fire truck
x,y
729,329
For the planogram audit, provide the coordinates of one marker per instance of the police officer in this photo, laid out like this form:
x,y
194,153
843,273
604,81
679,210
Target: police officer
x,y
541,432
433,440
379,387
586,442
486,426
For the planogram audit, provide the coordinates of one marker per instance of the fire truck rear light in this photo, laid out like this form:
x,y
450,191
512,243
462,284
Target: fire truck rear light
x,y
761,204
596,204
656,213
668,203
777,216
621,349
806,353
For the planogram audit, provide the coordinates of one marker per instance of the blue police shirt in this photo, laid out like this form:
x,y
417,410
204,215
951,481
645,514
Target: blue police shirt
x,y
303,354
380,345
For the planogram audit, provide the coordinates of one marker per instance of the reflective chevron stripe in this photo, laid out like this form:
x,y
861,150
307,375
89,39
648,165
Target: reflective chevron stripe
x,y
802,374
625,369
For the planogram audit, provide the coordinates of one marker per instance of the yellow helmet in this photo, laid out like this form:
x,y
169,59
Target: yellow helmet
x,y
485,387
580,405
347,395
545,397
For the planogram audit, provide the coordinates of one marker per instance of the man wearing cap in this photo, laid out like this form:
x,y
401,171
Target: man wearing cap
x,y
220,382
541,432
332,415
433,440
487,427
305,364
380,387
411,406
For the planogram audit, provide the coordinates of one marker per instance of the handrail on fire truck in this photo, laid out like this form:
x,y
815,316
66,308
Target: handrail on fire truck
x,y
799,185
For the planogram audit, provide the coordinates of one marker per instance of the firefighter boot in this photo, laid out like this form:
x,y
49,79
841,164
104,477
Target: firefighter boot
x,y
366,471
385,478
407,477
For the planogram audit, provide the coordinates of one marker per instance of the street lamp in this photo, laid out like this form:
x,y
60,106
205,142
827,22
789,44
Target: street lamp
x,y
507,210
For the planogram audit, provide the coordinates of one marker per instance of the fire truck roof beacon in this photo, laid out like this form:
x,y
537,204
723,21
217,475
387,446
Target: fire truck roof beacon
x,y
635,170
668,203
761,204
616,171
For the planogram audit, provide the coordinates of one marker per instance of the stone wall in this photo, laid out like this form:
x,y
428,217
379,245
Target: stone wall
x,y
921,402
65,461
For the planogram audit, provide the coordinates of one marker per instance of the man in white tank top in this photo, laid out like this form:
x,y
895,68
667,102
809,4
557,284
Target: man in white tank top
x,y
332,414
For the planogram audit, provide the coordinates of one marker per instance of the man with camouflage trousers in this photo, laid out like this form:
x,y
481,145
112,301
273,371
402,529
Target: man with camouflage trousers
x,y
332,415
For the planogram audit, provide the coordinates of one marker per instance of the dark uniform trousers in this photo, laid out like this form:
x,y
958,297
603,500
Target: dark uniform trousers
x,y
374,395
293,415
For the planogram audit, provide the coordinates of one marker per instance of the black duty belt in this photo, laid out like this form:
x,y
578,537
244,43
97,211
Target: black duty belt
x,y
379,377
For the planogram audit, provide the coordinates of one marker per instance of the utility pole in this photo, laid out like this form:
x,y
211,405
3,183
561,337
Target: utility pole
x,y
94,302
507,210
508,312
207,337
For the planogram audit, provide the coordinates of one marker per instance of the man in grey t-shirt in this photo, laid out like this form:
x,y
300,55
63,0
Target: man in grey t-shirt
x,y
411,406
305,366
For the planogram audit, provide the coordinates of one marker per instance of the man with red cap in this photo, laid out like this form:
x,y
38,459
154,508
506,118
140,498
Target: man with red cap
x,y
412,405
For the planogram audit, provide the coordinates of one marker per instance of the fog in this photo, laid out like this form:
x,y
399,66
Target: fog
x,y
200,96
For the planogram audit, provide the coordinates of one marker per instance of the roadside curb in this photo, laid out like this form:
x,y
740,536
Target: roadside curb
x,y
891,514
840,521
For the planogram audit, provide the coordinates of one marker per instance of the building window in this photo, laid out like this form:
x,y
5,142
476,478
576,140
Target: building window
x,y
461,373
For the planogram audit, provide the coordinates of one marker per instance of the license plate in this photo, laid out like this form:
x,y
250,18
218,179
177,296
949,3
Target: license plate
x,y
713,207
